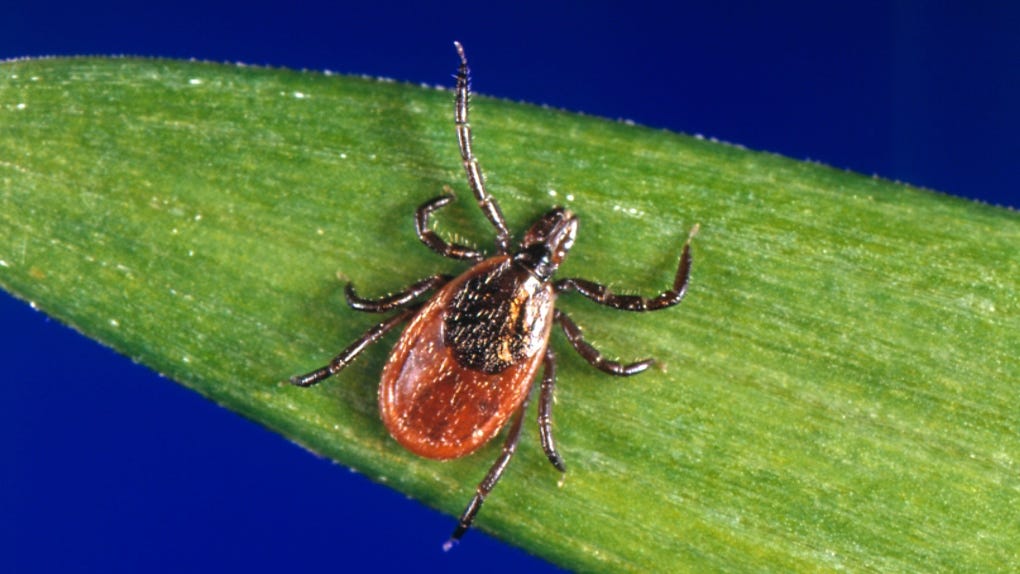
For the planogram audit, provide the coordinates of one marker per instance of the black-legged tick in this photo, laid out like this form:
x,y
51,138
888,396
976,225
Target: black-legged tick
x,y
465,364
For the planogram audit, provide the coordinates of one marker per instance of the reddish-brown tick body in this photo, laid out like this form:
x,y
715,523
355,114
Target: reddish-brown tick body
x,y
464,366
467,360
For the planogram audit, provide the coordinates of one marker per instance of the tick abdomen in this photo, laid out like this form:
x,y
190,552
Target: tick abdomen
x,y
465,363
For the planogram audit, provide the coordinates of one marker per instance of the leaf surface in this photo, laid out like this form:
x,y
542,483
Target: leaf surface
x,y
838,390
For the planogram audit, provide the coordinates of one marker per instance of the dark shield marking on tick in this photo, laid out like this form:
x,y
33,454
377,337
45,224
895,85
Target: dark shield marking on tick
x,y
492,317
465,364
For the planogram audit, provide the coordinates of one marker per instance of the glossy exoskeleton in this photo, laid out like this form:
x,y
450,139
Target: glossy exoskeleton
x,y
464,365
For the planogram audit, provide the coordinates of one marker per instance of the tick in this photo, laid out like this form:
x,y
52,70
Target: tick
x,y
464,365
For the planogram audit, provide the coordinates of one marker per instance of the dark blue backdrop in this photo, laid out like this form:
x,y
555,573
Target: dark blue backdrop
x,y
923,93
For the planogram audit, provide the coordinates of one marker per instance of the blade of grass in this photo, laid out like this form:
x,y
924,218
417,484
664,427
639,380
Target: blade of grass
x,y
838,391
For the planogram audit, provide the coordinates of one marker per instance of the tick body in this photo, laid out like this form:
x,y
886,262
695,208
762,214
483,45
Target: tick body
x,y
464,366
465,363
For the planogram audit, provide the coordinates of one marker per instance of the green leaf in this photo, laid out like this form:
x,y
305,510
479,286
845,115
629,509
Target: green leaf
x,y
838,390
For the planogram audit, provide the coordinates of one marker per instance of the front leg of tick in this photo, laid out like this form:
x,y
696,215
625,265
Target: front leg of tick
x,y
473,170
603,296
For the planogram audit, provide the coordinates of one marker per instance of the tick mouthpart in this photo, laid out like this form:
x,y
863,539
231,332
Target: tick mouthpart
x,y
547,242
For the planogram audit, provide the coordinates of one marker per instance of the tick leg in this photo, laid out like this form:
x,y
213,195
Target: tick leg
x,y
432,239
545,402
476,181
489,482
602,295
395,300
592,355
347,355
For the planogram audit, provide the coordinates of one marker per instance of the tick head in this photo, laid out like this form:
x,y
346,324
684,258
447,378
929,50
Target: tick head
x,y
547,242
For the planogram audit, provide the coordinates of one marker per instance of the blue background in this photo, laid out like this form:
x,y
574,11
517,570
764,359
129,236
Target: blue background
x,y
109,468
